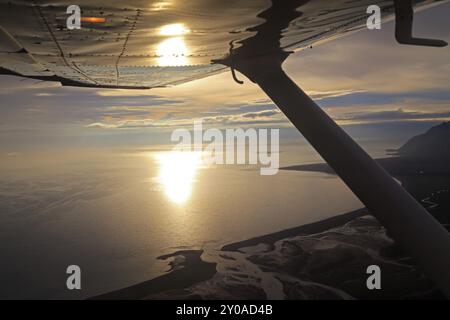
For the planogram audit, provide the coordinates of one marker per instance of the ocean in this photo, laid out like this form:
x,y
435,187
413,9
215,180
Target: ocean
x,y
113,212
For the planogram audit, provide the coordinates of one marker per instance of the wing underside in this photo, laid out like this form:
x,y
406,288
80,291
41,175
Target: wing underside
x,y
132,49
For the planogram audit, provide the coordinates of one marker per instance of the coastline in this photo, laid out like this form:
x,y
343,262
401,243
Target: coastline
x,y
310,228
193,269
190,271
321,260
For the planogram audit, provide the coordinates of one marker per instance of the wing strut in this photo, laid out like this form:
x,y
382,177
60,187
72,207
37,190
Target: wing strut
x,y
410,224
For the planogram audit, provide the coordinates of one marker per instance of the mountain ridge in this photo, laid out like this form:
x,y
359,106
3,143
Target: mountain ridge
x,y
433,143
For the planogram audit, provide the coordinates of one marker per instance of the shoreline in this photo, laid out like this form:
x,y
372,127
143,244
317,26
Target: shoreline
x,y
310,228
193,269
184,274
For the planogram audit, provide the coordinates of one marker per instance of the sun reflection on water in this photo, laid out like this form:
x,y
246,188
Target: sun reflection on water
x,y
177,172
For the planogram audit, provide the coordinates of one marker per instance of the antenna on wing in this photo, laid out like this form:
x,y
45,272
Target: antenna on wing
x,y
404,16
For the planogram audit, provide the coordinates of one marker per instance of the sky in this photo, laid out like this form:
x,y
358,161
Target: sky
x,y
365,81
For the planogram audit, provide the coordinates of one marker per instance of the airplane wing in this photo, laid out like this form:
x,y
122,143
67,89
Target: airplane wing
x,y
155,43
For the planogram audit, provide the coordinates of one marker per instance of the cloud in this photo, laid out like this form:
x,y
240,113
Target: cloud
x,y
262,118
99,125
269,117
254,115
391,116
357,99
332,94
13,154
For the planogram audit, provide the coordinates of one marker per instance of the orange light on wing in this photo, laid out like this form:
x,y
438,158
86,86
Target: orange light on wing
x,y
93,19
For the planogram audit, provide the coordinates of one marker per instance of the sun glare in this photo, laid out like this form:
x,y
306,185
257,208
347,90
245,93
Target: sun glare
x,y
172,52
177,172
176,29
